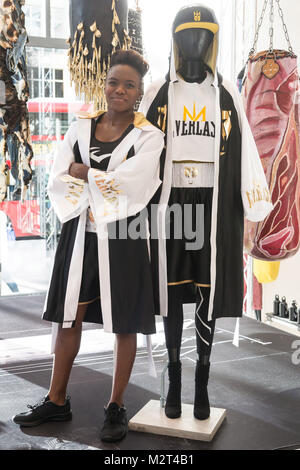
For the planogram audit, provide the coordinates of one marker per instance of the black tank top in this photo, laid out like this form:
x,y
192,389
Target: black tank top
x,y
99,149
98,160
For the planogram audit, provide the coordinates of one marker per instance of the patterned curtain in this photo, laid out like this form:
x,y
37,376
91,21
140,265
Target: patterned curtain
x,y
15,142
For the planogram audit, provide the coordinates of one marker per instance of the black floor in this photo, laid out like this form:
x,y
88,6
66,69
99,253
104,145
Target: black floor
x,y
257,383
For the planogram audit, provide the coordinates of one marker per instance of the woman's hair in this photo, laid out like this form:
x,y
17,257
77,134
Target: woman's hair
x,y
132,58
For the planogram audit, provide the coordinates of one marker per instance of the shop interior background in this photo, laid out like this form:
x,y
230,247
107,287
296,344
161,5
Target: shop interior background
x,y
29,230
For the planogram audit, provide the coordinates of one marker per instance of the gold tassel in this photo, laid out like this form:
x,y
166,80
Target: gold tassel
x,y
115,40
93,60
127,40
93,27
116,18
74,45
86,70
89,75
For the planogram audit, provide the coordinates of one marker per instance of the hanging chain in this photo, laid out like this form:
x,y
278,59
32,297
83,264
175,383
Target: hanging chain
x,y
271,29
253,50
285,28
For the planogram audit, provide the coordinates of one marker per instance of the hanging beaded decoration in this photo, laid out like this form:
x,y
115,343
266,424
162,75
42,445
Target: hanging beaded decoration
x,y
98,29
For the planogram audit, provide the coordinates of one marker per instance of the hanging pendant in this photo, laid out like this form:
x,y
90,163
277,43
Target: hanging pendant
x,y
270,68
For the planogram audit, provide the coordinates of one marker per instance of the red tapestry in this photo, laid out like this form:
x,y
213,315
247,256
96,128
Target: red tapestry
x,y
271,93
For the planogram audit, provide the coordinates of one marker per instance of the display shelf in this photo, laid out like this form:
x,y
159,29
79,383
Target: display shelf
x,y
282,323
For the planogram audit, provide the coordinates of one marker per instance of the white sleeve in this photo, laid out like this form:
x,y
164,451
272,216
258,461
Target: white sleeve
x,y
123,192
254,188
149,96
69,196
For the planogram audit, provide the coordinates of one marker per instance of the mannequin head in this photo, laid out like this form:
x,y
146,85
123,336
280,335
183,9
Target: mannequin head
x,y
193,44
194,34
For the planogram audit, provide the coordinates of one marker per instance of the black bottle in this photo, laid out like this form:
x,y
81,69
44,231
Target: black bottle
x,y
276,303
283,308
293,311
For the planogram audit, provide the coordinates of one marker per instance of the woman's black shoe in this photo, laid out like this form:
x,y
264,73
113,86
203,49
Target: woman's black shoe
x,y
115,424
173,402
44,411
201,403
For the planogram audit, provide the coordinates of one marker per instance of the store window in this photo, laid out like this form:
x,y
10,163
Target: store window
x,y
46,81
29,228
47,18
59,19
35,17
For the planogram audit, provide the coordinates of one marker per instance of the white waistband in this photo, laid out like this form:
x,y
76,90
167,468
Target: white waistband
x,y
192,174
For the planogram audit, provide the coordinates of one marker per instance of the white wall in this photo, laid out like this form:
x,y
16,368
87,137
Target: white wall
x,y
288,282
157,19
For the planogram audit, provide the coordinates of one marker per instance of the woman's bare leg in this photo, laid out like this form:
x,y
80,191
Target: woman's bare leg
x,y
66,349
125,354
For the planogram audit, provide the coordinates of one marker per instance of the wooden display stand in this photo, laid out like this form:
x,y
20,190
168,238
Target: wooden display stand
x,y
152,419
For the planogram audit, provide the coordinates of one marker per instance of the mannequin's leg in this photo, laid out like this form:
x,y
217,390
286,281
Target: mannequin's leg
x,y
66,349
173,324
204,338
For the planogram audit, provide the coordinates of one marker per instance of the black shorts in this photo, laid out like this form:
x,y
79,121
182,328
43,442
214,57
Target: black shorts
x,y
90,285
185,264
131,287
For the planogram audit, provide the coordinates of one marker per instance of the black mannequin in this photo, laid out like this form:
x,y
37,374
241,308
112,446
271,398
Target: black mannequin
x,y
193,48
193,45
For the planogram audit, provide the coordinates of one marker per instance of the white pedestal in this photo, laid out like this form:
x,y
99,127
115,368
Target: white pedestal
x,y
152,419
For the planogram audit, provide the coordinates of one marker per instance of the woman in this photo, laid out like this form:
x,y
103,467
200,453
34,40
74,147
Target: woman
x,y
107,170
